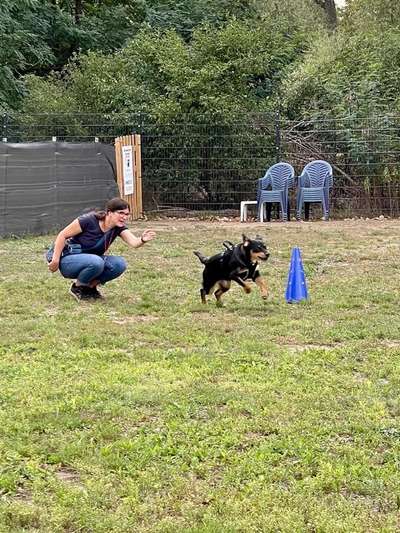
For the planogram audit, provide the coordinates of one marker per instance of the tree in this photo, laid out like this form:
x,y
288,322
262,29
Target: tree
x,y
355,70
363,15
225,71
22,46
329,7
38,36
306,15
78,11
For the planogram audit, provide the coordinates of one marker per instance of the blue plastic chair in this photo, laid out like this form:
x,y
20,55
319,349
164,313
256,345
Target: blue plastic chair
x,y
313,186
274,188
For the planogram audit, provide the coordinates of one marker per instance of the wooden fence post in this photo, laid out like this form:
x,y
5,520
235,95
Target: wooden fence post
x,y
129,172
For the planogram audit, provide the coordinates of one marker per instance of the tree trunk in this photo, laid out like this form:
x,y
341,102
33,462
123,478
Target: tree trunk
x,y
330,10
329,7
78,10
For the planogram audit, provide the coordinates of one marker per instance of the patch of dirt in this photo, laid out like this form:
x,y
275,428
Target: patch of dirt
x,y
365,500
51,311
391,344
304,347
130,428
68,475
344,438
23,495
359,377
134,319
252,439
292,344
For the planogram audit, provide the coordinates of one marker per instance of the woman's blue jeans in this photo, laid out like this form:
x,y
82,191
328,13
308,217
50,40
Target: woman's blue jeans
x,y
88,267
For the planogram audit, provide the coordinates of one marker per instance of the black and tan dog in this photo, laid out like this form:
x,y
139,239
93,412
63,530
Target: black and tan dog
x,y
237,263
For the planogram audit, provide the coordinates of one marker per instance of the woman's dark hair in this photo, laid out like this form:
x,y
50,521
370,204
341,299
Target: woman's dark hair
x,y
115,204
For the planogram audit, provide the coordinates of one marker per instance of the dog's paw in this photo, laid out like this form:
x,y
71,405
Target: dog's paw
x,y
219,303
247,289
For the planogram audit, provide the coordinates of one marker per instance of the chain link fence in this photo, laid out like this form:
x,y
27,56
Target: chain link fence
x,y
193,167
364,153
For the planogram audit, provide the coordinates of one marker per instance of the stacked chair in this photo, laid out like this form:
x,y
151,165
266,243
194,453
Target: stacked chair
x,y
274,188
313,185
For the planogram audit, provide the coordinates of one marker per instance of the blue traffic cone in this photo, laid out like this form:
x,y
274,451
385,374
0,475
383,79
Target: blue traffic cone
x,y
296,289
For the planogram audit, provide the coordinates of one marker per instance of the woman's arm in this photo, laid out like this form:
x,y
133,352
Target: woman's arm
x,y
137,242
69,231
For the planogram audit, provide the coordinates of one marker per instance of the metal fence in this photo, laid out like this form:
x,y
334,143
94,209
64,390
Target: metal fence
x,y
364,154
192,167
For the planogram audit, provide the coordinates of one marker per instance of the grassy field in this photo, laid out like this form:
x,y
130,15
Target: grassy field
x,y
151,412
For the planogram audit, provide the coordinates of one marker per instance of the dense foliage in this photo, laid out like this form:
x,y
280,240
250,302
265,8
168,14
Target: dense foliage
x,y
237,68
173,58
354,71
67,39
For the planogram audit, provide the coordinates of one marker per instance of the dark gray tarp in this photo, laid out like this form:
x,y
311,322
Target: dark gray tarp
x,y
44,186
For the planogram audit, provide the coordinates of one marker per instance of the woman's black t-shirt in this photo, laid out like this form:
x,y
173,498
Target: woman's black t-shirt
x,y
93,239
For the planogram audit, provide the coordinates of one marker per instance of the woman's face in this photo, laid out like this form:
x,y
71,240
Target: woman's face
x,y
119,217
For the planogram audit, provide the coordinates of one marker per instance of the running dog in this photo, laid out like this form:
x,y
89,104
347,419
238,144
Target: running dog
x,y
238,263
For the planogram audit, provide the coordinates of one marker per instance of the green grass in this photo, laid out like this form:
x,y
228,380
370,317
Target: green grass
x,y
151,412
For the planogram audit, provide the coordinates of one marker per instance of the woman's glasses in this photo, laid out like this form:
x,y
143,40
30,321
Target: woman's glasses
x,y
123,213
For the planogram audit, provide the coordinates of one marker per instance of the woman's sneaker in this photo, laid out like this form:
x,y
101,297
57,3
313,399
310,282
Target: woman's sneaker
x,y
80,292
94,293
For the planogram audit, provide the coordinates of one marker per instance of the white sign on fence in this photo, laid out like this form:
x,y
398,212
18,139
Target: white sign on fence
x,y
127,169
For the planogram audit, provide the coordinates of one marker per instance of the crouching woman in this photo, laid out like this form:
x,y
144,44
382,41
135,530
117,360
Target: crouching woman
x,y
79,251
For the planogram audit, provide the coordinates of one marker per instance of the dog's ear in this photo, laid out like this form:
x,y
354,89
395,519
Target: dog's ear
x,y
246,240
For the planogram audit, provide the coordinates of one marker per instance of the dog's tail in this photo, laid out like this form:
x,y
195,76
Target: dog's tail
x,y
203,258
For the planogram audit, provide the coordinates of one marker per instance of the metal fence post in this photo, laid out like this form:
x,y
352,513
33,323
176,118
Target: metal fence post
x,y
277,137
4,127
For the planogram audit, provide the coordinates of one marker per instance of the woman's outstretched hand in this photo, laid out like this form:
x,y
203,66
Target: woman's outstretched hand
x,y
148,235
